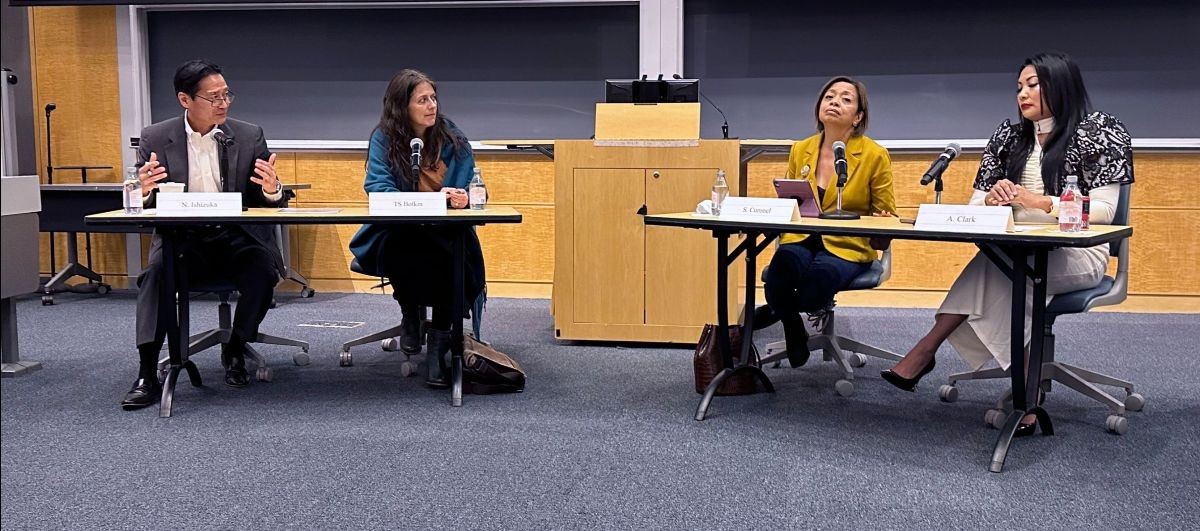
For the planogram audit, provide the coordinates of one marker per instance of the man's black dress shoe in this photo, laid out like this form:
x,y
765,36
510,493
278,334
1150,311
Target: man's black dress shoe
x,y
145,392
234,359
795,336
907,384
236,377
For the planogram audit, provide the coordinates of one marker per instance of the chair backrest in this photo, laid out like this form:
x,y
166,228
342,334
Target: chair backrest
x,y
1120,249
1121,218
886,262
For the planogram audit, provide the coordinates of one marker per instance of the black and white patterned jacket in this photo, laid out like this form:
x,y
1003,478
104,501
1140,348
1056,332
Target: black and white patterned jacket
x,y
1100,154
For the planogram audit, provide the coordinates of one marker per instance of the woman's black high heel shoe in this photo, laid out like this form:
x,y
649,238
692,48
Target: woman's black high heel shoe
x,y
907,384
1024,430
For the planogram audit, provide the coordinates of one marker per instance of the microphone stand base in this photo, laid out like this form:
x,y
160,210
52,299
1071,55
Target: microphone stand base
x,y
839,214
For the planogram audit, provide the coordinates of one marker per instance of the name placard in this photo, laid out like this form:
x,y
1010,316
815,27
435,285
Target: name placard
x,y
965,218
406,204
760,209
198,204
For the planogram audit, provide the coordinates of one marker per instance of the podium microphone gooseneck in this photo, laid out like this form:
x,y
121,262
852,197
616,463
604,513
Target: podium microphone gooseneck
x,y
724,120
839,165
934,174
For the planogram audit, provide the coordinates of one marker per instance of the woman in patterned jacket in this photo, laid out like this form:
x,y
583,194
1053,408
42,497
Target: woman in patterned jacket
x,y
1025,165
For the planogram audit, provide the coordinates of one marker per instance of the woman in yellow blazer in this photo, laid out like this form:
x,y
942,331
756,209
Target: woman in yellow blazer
x,y
807,271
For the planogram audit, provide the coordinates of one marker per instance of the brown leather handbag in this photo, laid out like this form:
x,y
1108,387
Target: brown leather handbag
x,y
487,370
707,363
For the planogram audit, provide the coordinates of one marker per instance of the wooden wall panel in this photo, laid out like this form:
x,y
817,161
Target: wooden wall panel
x,y
73,51
1164,253
335,177
74,56
338,178
108,253
518,179
285,167
521,252
1161,180
322,251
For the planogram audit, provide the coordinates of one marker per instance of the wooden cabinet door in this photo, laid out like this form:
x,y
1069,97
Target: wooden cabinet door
x,y
681,265
608,254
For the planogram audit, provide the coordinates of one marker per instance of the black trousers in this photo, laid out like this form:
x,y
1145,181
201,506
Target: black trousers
x,y
226,253
419,263
804,277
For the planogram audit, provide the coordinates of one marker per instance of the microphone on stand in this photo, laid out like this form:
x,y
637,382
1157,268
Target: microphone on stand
x,y
940,165
49,158
417,145
50,176
839,163
934,174
224,141
842,169
725,121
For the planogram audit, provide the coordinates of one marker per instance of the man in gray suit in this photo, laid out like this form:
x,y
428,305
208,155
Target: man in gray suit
x,y
208,152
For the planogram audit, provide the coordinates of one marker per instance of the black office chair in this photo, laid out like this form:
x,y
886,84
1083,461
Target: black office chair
x,y
220,335
1110,291
832,345
389,339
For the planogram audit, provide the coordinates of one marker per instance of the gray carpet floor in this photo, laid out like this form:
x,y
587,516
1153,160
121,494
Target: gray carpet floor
x,y
602,438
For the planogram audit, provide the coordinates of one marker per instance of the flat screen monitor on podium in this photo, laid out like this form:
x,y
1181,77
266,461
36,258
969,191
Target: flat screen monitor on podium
x,y
651,91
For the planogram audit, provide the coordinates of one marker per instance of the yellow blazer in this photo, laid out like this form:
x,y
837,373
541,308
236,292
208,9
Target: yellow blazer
x,y
868,189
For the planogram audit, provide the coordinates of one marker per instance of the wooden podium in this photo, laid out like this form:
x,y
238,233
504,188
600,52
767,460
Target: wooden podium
x,y
614,277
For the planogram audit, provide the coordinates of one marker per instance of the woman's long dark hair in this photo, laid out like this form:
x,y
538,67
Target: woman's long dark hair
x,y
396,124
1064,95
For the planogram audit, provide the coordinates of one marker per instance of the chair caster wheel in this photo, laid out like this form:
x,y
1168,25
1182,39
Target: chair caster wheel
x,y
263,374
856,360
844,387
345,359
301,359
1116,424
161,375
948,393
307,292
407,369
1135,402
103,289
47,300
995,418
390,344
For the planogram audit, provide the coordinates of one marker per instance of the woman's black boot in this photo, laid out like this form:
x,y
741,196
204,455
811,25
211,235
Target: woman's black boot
x,y
410,324
436,359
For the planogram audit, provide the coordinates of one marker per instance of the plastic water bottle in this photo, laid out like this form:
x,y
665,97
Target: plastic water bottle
x,y
720,191
1070,206
133,191
477,191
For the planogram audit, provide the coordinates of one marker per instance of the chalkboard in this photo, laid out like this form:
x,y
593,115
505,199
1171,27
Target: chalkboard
x,y
939,70
320,74
933,70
